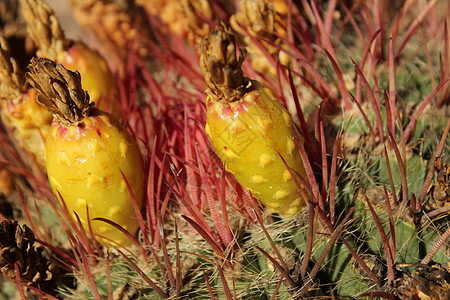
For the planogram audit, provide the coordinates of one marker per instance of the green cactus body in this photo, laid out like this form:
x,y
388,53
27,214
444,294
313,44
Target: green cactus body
x,y
249,136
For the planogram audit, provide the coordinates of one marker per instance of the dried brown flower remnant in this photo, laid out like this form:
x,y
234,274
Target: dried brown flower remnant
x,y
195,12
59,90
426,282
14,29
440,192
257,16
17,247
221,67
44,28
11,81
256,19
10,22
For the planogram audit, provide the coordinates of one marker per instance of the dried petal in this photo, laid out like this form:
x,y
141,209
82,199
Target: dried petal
x,y
59,90
11,81
221,67
43,27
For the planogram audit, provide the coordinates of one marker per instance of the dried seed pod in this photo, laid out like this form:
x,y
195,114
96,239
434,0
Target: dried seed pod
x,y
249,128
14,29
9,24
426,282
17,247
440,192
257,19
88,152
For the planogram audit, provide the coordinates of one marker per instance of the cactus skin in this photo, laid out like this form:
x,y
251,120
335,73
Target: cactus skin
x,y
87,150
250,129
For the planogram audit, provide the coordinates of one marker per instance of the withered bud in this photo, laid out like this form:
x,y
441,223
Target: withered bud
x,y
221,67
59,90
11,80
258,17
18,249
43,27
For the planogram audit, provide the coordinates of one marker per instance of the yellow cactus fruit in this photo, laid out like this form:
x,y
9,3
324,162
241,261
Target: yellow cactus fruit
x,y
43,27
249,128
28,121
91,64
87,152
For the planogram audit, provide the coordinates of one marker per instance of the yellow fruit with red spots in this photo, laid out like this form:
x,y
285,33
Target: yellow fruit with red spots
x,y
84,165
249,136
249,129
90,156
96,77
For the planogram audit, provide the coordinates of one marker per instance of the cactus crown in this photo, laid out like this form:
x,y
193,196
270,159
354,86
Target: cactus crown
x,y
59,90
11,80
220,66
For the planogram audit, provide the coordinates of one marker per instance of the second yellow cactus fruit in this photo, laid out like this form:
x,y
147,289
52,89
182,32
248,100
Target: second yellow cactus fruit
x,y
249,128
97,79
28,121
